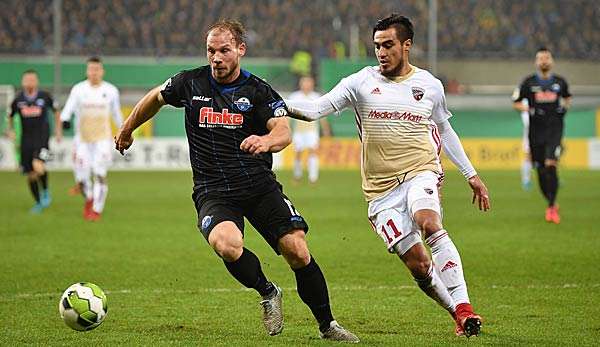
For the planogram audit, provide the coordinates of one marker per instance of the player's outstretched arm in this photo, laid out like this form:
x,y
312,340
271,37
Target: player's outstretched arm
x,y
455,151
310,110
278,138
145,109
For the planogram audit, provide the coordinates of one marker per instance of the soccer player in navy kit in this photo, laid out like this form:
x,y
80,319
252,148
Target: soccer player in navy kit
x,y
33,105
548,99
234,121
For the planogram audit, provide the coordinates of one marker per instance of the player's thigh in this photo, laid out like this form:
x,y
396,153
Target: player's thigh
x,y
213,211
273,215
538,154
40,156
299,141
423,201
101,157
393,223
312,140
27,154
553,150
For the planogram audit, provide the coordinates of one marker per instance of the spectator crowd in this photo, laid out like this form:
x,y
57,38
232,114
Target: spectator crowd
x,y
279,28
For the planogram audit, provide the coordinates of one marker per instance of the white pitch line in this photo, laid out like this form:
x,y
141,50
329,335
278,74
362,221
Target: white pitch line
x,y
17,296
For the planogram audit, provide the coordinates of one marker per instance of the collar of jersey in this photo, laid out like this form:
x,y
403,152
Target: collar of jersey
x,y
544,81
229,87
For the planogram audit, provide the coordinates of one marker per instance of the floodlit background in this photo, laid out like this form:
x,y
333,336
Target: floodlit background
x,y
534,283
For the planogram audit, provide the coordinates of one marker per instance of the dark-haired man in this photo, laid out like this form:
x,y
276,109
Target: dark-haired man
x,y
403,124
234,121
93,102
547,99
33,105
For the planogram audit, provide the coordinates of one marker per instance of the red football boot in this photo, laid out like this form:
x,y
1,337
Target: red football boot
x,y
467,321
87,208
555,216
93,216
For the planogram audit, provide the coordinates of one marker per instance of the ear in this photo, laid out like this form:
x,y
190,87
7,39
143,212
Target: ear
x,y
242,49
407,45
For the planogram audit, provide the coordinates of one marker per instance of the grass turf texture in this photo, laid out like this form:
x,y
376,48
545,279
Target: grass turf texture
x,y
534,283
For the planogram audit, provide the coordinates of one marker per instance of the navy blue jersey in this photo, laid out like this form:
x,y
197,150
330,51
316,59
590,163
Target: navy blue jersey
x,y
33,111
543,96
218,118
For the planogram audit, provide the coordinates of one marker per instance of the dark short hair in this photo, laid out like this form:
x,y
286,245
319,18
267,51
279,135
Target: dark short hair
x,y
543,49
403,26
233,26
94,59
32,71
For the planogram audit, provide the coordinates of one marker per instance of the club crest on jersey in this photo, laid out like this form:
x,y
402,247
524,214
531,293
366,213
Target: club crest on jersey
x,y
243,104
418,93
211,119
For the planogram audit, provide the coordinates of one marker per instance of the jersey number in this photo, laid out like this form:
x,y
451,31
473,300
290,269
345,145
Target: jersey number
x,y
391,233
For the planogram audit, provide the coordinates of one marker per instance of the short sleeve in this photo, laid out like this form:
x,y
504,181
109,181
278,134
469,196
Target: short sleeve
x,y
269,104
520,93
172,90
440,111
342,95
564,91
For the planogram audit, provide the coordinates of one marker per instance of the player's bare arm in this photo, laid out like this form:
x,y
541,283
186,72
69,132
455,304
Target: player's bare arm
x,y
58,129
521,107
277,139
145,109
10,129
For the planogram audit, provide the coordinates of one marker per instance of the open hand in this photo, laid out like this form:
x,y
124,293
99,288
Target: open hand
x,y
480,193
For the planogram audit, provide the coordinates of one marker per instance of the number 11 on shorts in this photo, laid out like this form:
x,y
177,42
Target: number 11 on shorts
x,y
390,232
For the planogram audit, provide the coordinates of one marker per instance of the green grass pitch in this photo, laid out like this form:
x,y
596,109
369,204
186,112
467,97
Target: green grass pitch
x,y
534,283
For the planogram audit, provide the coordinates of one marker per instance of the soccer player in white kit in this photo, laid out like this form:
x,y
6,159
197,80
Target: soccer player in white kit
x,y
306,135
93,102
403,124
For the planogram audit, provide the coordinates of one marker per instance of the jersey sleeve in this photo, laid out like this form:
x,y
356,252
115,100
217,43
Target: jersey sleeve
x,y
51,102
343,94
172,90
440,112
70,105
116,108
269,104
521,93
564,91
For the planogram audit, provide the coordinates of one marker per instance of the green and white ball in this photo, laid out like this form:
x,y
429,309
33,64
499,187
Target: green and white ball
x,y
83,306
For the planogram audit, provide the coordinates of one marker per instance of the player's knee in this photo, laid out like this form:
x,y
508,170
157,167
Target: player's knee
x,y
38,167
550,163
429,223
32,176
294,249
101,179
420,269
228,244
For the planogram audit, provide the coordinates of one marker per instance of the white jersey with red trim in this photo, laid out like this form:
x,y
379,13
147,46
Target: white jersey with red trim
x,y
93,107
396,121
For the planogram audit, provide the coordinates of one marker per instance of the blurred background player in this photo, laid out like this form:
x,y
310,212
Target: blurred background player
x,y
403,124
548,99
93,101
306,134
526,163
33,105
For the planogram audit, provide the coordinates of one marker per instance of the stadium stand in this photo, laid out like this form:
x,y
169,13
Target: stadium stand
x,y
479,29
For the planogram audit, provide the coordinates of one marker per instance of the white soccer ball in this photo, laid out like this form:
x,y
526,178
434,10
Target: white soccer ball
x,y
83,306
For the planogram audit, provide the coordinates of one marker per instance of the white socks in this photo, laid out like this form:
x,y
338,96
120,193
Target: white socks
x,y
313,168
297,169
100,192
526,172
448,266
433,286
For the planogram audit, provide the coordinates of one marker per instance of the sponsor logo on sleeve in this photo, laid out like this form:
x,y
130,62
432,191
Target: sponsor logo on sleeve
x,y
277,104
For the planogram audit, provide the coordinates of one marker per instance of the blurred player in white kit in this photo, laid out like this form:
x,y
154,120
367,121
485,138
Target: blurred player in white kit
x,y
306,134
93,102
